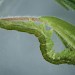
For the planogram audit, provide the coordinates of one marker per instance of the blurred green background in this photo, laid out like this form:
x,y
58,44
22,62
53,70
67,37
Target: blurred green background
x,y
19,52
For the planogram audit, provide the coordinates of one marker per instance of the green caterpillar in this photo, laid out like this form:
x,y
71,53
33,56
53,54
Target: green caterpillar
x,y
63,29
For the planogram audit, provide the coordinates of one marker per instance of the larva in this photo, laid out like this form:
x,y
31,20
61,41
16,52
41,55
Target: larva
x,y
44,36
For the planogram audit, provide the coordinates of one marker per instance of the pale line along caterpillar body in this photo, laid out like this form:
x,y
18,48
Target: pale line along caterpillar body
x,y
43,35
21,18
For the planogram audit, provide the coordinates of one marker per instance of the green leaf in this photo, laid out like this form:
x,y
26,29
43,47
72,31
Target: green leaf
x,y
67,3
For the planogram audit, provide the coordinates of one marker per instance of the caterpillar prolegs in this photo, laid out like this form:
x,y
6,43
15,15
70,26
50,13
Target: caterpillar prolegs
x,y
62,28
